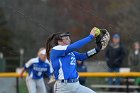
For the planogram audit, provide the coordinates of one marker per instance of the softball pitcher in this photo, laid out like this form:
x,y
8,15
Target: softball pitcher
x,y
63,57
37,68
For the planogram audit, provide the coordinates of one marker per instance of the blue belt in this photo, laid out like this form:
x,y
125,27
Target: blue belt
x,y
69,80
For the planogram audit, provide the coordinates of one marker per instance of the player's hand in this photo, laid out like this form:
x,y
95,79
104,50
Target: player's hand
x,y
95,32
51,80
21,75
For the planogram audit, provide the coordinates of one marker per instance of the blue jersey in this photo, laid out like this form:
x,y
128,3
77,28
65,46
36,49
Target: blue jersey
x,y
37,68
64,58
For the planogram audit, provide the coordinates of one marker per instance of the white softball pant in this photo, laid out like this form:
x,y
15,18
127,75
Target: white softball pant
x,y
35,86
71,88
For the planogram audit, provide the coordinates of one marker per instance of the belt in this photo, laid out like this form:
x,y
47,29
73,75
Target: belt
x,y
69,80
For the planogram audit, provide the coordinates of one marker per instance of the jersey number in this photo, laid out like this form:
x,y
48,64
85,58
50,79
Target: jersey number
x,y
73,61
39,73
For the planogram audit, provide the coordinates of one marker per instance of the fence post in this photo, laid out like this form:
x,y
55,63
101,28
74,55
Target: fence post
x,y
17,85
127,85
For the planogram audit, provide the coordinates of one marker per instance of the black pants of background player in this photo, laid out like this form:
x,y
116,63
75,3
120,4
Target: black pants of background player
x,y
82,81
49,87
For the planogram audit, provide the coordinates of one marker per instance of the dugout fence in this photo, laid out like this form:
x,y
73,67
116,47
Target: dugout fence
x,y
126,75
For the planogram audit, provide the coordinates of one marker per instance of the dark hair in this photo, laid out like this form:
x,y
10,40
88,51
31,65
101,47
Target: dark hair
x,y
51,42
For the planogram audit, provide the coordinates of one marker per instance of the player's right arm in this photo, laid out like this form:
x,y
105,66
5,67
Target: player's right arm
x,y
22,72
77,45
63,50
26,66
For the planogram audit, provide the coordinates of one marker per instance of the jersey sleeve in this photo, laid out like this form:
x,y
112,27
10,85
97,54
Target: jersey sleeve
x,y
28,64
63,50
80,56
58,51
79,44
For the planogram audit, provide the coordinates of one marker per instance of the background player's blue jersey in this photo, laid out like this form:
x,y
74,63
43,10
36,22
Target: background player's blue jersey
x,y
37,68
64,58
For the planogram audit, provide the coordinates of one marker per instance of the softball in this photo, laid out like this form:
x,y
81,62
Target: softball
x,y
97,31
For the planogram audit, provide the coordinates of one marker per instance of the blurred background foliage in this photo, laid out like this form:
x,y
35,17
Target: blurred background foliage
x,y
27,23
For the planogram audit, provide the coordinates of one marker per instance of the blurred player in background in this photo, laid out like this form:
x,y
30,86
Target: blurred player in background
x,y
37,68
81,68
63,56
134,58
134,61
115,54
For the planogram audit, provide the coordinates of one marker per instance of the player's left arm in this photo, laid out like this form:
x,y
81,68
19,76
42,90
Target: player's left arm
x,y
26,66
49,73
101,44
86,55
50,64
80,56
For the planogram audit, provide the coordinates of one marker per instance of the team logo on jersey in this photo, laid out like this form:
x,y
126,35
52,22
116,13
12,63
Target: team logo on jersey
x,y
39,69
71,54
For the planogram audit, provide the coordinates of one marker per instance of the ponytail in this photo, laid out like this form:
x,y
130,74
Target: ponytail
x,y
51,42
